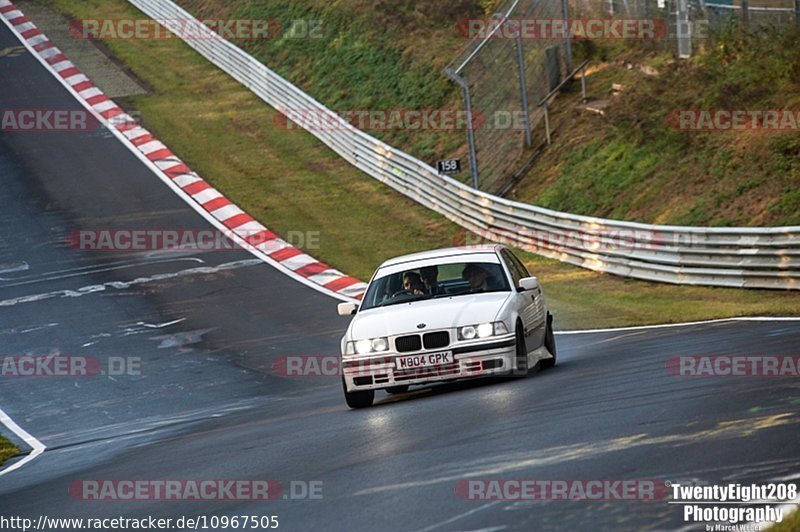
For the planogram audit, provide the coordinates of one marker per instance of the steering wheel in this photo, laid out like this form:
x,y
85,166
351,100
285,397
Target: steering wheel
x,y
402,293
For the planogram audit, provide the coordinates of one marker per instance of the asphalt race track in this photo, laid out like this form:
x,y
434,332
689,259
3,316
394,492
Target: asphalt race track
x,y
208,405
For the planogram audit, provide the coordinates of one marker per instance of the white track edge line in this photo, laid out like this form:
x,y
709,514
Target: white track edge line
x,y
685,324
36,446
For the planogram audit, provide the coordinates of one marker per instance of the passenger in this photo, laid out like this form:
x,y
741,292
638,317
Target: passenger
x,y
430,276
412,283
476,276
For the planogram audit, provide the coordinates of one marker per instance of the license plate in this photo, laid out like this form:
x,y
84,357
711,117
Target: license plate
x,y
424,361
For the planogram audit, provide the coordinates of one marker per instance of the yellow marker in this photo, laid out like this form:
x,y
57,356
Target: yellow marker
x,y
13,51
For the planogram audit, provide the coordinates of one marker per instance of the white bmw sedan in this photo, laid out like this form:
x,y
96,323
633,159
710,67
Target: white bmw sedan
x,y
444,315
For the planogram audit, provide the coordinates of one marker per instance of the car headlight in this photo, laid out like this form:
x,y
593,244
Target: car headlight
x,y
371,345
467,333
484,330
380,344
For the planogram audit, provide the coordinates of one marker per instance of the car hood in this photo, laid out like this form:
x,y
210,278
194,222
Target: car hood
x,y
435,314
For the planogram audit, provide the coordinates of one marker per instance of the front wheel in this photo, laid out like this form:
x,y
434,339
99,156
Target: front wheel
x,y
359,399
522,353
550,343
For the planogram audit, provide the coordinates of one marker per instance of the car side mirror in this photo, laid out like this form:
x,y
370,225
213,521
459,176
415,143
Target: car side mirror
x,y
347,309
528,283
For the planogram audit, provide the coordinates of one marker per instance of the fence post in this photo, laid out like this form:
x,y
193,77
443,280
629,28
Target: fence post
x,y
547,122
473,158
684,30
746,13
583,81
523,86
568,39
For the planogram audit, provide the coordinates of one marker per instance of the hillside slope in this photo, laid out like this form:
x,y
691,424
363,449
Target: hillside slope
x,y
386,55
363,55
636,163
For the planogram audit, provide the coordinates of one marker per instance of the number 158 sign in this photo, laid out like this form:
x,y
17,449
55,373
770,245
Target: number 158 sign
x,y
452,166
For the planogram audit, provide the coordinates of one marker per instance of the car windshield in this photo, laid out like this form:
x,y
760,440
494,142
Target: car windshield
x,y
429,282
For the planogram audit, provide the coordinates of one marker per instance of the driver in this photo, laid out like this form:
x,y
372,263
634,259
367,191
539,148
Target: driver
x,y
412,283
430,276
476,277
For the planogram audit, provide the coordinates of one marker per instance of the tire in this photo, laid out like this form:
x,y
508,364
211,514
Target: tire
x,y
549,343
359,399
402,388
522,353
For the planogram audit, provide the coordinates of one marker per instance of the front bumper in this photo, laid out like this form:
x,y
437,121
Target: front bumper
x,y
478,359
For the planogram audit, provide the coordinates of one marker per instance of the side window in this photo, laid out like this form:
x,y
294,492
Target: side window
x,y
520,266
516,275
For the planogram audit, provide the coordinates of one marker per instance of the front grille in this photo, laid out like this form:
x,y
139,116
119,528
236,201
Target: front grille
x,y
436,340
406,344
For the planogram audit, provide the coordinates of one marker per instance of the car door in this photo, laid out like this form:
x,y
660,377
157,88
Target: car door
x,y
531,303
524,303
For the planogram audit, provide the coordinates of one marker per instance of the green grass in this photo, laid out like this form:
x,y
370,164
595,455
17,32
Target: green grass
x,y
7,450
363,55
291,182
790,523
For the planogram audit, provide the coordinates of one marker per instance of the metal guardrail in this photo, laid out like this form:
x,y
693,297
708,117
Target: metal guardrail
x,y
733,257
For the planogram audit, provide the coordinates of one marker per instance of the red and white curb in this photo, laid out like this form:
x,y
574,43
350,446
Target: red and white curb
x,y
209,202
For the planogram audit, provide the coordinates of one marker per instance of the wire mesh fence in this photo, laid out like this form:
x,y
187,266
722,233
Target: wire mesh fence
x,y
755,14
513,60
505,76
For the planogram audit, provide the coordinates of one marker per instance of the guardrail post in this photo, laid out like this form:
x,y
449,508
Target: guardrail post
x,y
746,13
473,158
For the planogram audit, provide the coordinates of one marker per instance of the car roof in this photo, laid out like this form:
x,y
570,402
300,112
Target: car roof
x,y
440,253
